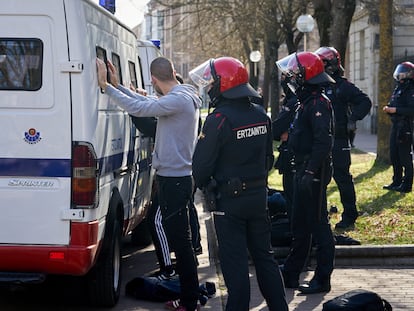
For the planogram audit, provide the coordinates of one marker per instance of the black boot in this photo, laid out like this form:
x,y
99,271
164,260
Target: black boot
x,y
345,225
404,188
393,186
315,286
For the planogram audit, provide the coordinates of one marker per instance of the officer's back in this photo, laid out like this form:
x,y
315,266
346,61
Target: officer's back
x,y
244,129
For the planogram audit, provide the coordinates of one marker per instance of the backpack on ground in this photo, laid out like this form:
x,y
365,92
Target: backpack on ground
x,y
357,300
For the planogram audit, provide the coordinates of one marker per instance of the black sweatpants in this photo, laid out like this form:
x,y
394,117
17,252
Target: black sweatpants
x,y
174,195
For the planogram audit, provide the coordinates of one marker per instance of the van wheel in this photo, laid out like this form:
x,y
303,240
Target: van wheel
x,y
104,280
141,235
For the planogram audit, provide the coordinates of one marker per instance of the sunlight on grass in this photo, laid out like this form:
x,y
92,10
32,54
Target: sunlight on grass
x,y
386,217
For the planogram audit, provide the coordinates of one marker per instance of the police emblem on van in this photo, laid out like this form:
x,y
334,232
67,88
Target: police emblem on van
x,y
32,136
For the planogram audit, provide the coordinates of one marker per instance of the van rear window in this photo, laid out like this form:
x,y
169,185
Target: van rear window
x,y
21,64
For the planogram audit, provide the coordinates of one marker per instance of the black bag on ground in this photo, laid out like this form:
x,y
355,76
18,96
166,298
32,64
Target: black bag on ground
x,y
280,232
281,235
152,289
357,300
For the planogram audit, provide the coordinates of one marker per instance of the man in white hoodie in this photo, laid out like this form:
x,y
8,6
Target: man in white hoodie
x,y
178,115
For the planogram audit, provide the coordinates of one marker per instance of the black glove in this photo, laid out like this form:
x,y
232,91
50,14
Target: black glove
x,y
306,183
351,126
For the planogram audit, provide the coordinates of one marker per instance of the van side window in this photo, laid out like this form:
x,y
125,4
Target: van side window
x,y
116,60
21,63
142,73
101,54
133,74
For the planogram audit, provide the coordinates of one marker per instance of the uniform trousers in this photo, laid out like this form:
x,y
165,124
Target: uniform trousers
x,y
310,221
341,160
243,226
401,157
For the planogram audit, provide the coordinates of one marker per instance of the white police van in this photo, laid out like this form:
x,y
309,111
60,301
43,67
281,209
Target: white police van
x,y
75,174
147,50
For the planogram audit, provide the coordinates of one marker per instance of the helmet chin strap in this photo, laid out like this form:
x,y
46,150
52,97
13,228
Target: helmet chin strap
x,y
300,77
214,92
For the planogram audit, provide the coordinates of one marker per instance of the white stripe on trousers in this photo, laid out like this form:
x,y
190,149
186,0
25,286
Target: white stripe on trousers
x,y
162,237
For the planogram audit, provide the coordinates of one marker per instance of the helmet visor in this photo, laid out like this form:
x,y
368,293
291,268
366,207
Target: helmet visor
x,y
288,65
402,72
201,75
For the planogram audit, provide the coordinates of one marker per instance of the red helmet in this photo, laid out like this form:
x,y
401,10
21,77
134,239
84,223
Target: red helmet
x,y
228,78
404,71
331,59
303,67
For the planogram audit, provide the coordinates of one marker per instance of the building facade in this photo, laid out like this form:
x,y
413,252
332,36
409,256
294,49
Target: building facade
x,y
363,57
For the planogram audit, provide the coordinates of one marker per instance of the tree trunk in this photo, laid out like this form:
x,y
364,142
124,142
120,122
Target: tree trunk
x,y
385,79
323,19
342,12
334,19
273,76
269,64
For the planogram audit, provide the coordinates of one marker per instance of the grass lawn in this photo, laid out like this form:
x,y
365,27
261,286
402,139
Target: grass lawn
x,y
386,217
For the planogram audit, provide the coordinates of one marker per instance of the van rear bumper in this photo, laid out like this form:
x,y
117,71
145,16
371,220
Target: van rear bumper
x,y
77,258
22,278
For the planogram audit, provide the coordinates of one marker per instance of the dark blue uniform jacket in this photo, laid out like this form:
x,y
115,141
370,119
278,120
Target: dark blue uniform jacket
x,y
236,142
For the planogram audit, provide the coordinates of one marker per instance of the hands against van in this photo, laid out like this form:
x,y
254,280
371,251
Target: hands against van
x,y
103,71
138,90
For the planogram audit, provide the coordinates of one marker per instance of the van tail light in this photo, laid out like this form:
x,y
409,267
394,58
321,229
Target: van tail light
x,y
84,176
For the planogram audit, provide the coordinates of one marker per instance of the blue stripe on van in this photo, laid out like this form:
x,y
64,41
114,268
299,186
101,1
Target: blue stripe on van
x,y
61,167
35,167
111,163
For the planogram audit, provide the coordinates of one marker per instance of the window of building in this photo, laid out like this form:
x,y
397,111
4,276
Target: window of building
x,y
362,55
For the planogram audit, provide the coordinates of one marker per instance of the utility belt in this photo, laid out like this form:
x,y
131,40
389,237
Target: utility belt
x,y
399,118
235,186
299,159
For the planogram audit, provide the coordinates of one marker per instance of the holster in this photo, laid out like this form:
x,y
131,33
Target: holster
x,y
284,160
210,195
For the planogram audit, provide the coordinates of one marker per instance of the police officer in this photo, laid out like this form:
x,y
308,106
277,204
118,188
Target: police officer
x,y
350,104
311,141
235,149
281,127
401,111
